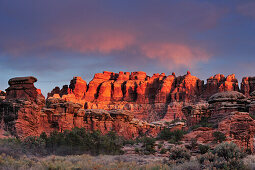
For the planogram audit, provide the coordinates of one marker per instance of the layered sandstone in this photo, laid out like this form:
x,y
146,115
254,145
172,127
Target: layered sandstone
x,y
228,112
24,112
124,101
248,85
23,88
220,83
149,98
20,109
222,104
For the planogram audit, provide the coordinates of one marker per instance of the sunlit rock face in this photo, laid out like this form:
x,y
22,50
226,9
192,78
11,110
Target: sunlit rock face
x,y
20,108
220,83
248,85
149,98
23,88
125,102
24,111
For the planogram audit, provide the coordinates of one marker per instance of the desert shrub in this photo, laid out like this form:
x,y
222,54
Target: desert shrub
x,y
129,142
160,146
203,148
249,162
11,146
219,137
193,143
179,155
137,150
163,151
228,151
172,136
188,165
224,156
75,141
252,116
78,141
76,162
148,145
202,123
34,142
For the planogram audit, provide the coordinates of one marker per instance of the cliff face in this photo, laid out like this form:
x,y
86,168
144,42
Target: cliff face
x,y
248,85
149,98
24,112
121,102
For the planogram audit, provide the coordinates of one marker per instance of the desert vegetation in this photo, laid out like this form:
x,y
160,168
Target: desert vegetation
x,y
81,149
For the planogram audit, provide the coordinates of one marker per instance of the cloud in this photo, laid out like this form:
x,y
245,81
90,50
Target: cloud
x,y
103,42
170,54
247,9
122,33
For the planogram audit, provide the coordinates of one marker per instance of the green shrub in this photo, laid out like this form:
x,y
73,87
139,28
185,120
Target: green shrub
x,y
179,155
228,151
129,142
75,141
148,145
188,165
34,144
193,143
160,146
163,151
219,137
202,123
137,150
172,136
252,116
224,156
203,148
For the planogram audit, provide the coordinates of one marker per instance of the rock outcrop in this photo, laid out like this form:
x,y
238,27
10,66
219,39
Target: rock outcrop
x,y
222,104
124,102
220,83
228,112
150,98
23,88
248,85
20,109
24,112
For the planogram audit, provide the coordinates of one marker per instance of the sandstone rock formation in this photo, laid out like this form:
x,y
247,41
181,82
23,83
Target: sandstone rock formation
x,y
150,98
222,104
24,112
195,112
23,88
125,102
220,83
248,85
21,107
228,112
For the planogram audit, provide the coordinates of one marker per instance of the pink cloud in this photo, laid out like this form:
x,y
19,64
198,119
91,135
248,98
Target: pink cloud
x,y
103,42
175,55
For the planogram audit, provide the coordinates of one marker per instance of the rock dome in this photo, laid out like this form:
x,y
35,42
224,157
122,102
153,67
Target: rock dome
x,y
226,96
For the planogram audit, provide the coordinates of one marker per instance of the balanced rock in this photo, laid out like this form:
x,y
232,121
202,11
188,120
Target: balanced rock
x,y
23,88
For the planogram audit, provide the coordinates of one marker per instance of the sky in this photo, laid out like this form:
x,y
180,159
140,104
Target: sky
x,y
55,40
